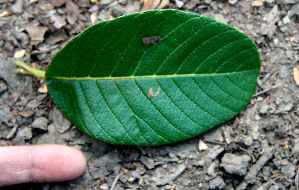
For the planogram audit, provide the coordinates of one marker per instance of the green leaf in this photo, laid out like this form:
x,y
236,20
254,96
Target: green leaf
x,y
119,85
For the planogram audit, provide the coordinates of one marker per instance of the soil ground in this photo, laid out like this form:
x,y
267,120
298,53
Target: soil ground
x,y
258,149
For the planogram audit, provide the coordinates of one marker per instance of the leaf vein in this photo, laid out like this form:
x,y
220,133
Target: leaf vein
x,y
185,41
197,104
72,97
212,98
136,114
129,43
218,51
95,118
233,82
232,57
159,110
154,46
227,92
204,42
180,111
190,101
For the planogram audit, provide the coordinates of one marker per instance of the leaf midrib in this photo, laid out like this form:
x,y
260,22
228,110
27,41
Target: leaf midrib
x,y
148,76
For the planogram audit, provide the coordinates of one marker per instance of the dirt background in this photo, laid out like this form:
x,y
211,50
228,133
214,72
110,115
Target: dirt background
x,y
258,149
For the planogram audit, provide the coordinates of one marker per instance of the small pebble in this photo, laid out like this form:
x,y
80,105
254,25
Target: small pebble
x,y
234,164
131,179
248,141
211,169
208,2
171,155
186,181
25,133
284,73
123,178
232,2
289,170
215,151
217,183
3,86
296,148
286,108
179,3
264,109
19,54
40,123
259,99
17,7
104,186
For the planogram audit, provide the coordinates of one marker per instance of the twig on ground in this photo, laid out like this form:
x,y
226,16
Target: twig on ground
x,y
17,98
264,91
214,142
253,158
172,187
114,182
12,132
267,76
250,177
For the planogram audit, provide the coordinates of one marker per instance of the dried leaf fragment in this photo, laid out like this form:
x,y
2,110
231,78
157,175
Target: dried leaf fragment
x,y
59,3
61,124
151,40
163,4
59,22
72,12
27,112
155,4
43,89
93,18
36,33
146,5
202,145
296,75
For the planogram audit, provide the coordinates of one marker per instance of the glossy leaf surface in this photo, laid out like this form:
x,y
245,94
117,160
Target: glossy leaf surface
x,y
114,84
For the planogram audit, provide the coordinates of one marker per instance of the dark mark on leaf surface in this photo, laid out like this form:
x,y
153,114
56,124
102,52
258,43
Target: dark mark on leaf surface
x,y
152,40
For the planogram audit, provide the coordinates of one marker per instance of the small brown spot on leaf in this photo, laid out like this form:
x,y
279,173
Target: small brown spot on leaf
x,y
150,92
151,40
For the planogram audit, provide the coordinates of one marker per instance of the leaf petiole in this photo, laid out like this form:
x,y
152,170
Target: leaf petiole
x,y
26,69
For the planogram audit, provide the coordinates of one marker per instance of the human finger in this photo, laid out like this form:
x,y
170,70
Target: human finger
x,y
40,163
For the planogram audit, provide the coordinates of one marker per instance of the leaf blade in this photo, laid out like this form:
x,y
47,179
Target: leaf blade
x,y
123,91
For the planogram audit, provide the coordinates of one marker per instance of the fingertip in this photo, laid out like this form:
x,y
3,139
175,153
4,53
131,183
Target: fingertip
x,y
58,163
40,163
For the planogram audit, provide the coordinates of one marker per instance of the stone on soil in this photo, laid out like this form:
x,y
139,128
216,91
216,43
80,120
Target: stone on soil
x,y
40,123
217,183
215,151
289,170
232,2
264,109
234,164
25,133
